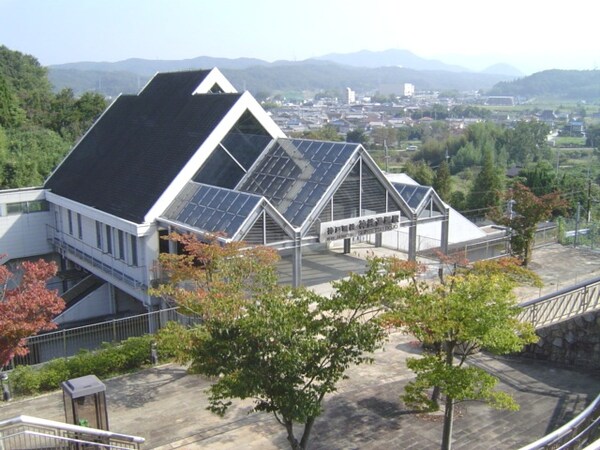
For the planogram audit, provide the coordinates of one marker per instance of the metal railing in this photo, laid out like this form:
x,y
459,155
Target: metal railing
x,y
582,430
562,305
96,258
25,432
65,343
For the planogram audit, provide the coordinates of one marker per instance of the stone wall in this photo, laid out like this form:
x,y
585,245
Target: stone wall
x,y
573,342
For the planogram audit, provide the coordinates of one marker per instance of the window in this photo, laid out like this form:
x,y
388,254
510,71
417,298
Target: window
x,y
79,227
121,244
108,239
99,235
70,221
27,207
134,257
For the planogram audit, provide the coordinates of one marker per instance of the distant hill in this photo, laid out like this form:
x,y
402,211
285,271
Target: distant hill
x,y
389,58
278,77
503,69
562,84
150,67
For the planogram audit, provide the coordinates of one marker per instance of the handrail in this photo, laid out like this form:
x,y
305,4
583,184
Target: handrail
x,y
66,439
563,291
566,428
563,304
36,421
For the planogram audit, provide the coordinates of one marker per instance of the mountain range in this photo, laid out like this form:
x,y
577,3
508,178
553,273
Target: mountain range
x,y
367,72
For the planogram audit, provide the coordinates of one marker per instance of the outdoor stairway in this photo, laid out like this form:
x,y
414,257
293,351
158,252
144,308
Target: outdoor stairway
x,y
28,433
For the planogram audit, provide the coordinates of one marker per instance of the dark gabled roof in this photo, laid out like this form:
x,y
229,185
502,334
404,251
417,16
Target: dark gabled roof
x,y
132,154
179,84
212,209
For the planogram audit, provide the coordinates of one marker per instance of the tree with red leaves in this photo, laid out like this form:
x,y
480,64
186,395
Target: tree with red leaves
x,y
527,211
27,306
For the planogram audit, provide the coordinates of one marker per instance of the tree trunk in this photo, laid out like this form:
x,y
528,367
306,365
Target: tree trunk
x,y
449,410
435,397
306,435
448,418
294,444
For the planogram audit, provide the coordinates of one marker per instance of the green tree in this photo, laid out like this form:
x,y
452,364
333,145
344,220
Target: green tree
x,y
286,349
11,115
526,211
420,172
357,136
527,142
326,133
487,187
442,182
471,310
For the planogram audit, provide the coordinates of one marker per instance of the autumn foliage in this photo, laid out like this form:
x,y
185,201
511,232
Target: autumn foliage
x,y
27,306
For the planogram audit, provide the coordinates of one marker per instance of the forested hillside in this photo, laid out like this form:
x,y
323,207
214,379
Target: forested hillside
x,y
563,84
37,126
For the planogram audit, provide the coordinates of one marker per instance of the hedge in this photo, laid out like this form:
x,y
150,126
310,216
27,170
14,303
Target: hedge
x,y
109,360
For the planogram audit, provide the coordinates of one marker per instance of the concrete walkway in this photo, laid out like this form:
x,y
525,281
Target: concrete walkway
x,y
167,407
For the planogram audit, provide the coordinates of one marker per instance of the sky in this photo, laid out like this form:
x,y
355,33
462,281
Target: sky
x,y
531,35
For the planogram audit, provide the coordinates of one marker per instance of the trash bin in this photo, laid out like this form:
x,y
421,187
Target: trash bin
x,y
85,402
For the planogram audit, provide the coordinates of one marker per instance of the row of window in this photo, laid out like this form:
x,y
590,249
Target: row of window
x,y
111,240
32,206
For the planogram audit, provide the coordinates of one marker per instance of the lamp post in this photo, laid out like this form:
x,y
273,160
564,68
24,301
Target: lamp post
x,y
5,388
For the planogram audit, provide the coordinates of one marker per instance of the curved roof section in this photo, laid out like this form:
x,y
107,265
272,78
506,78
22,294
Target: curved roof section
x,y
212,209
135,150
294,174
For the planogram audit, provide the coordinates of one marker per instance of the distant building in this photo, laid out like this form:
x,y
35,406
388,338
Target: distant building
x,y
350,96
409,90
500,100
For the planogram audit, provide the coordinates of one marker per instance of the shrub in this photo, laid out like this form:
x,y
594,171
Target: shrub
x,y
25,380
110,359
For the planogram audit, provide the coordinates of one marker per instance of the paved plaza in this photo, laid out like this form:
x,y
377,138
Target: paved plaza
x,y
167,407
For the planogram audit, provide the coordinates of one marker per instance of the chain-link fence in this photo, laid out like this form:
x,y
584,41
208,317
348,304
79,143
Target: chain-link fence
x,y
579,233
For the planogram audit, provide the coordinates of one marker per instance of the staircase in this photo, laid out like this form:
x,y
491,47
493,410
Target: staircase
x,y
29,433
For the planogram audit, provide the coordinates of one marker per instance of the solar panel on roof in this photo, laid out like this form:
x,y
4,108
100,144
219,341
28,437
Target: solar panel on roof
x,y
212,209
295,174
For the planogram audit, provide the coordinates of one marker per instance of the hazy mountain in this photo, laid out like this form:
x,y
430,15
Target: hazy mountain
x,y
504,69
387,58
150,67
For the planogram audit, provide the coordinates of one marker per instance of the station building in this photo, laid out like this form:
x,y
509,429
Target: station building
x,y
189,153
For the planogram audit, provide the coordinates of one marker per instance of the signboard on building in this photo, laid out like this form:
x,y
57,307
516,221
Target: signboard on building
x,y
358,226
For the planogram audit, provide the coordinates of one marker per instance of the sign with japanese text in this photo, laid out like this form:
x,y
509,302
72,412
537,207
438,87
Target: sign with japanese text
x,y
359,226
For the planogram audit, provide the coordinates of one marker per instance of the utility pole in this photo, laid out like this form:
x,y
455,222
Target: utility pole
x,y
577,223
387,156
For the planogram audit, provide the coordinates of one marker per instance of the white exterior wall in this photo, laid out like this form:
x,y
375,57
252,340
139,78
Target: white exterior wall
x,y
93,305
23,235
123,272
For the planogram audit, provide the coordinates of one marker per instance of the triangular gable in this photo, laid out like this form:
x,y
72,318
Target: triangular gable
x,y
295,174
215,82
360,190
246,103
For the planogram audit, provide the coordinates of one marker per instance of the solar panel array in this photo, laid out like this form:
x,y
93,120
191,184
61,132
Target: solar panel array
x,y
412,194
212,209
295,173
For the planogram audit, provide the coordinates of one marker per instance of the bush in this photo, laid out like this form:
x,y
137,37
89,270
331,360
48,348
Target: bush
x,y
25,380
111,359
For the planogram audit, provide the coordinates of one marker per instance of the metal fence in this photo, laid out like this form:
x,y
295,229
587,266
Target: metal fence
x,y
67,342
25,432
562,305
582,430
